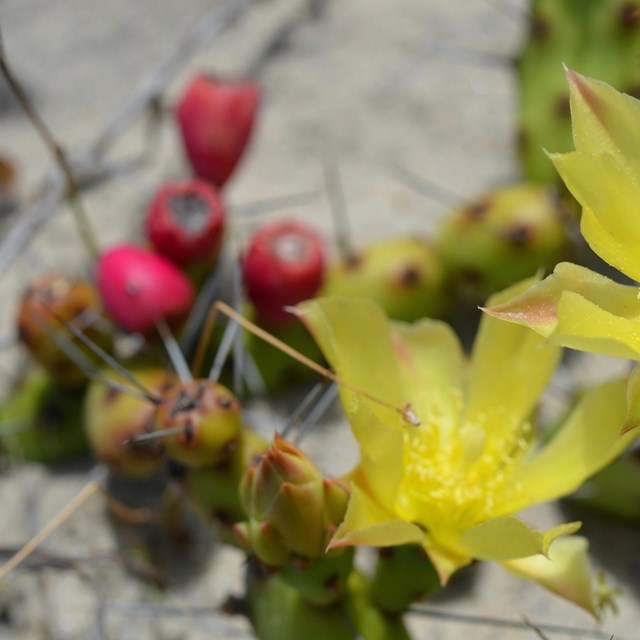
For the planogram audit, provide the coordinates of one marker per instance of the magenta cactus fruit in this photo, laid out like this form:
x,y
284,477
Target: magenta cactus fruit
x,y
139,287
216,118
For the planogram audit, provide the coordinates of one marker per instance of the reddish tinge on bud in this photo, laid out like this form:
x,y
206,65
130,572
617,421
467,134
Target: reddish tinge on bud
x,y
186,221
139,287
216,118
283,265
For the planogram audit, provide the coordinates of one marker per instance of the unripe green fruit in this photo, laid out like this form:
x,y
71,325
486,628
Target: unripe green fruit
x,y
209,416
41,421
502,237
112,418
403,275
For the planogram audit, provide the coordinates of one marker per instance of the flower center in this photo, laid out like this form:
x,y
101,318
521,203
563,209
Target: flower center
x,y
453,480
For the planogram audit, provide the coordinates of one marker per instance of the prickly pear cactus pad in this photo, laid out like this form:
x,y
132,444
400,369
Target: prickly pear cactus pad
x,y
599,38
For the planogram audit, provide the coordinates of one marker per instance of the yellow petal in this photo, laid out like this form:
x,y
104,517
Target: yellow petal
x,y
506,538
366,523
355,337
432,364
381,452
609,247
587,442
565,571
509,369
578,308
585,326
445,561
632,420
604,120
610,191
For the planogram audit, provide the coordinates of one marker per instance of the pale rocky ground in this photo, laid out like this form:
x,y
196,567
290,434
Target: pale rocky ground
x,y
387,83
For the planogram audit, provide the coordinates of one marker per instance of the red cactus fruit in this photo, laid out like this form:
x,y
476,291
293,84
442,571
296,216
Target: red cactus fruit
x,y
139,287
186,221
283,265
216,118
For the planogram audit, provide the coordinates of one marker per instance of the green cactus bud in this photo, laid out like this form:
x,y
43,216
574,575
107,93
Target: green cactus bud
x,y
320,581
286,489
336,498
42,422
48,299
267,544
402,576
403,275
501,238
214,489
208,415
112,418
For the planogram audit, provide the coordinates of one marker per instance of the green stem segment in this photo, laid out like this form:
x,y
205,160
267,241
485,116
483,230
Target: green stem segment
x,y
402,575
279,612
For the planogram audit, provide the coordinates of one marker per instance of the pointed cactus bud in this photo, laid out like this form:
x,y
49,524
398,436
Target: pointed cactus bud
x,y
403,275
139,287
50,299
112,418
216,118
208,417
283,265
185,222
287,490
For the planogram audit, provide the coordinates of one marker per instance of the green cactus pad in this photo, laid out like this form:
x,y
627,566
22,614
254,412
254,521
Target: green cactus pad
x,y
41,422
598,38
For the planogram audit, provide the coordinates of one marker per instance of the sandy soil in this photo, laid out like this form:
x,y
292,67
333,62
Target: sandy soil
x,y
387,84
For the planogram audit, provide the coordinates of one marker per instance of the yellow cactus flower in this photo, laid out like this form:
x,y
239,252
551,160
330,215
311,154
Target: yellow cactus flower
x,y
453,482
574,306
